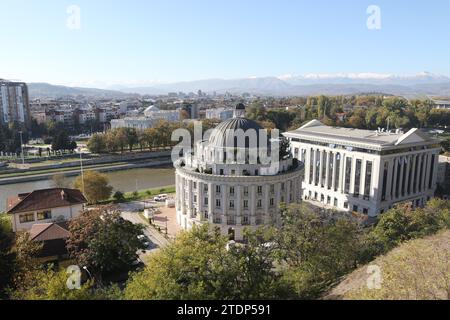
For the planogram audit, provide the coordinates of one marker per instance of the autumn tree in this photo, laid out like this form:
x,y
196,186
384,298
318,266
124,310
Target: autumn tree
x,y
94,185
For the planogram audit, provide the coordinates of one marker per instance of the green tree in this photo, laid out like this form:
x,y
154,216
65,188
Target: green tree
x,y
7,256
103,241
94,185
198,265
97,143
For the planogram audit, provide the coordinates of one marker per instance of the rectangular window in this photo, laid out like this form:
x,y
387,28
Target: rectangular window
x,y
245,220
231,204
272,189
245,191
231,190
259,203
357,178
206,201
217,189
218,203
368,181
272,202
348,172
28,217
44,215
245,204
259,190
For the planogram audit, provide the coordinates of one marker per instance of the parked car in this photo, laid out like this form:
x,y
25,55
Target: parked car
x,y
161,197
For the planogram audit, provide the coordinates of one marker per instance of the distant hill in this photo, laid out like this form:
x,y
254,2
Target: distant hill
x,y
41,90
419,269
416,86
423,84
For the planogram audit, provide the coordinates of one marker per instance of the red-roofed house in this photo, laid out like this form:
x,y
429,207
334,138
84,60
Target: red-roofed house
x,y
45,206
53,236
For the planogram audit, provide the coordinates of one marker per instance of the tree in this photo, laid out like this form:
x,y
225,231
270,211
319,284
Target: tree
x,y
96,143
316,247
60,180
61,141
6,254
95,186
199,266
103,241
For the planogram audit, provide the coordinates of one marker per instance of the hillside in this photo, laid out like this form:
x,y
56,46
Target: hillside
x,y
39,90
416,270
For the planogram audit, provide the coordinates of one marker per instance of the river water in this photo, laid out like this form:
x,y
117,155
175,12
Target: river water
x,y
126,180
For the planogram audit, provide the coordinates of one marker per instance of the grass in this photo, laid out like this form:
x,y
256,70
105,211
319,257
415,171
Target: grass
x,y
143,194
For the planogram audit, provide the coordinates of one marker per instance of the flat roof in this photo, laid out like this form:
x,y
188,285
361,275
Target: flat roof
x,y
316,130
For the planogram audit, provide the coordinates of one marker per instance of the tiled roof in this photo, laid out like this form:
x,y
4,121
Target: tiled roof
x,y
45,199
48,231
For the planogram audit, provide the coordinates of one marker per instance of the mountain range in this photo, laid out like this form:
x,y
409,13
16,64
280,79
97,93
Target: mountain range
x,y
419,85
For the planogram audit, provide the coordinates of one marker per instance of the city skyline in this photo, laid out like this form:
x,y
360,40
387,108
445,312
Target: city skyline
x,y
86,44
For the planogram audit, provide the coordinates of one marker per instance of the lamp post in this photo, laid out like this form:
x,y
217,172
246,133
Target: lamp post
x,y
86,269
81,169
21,147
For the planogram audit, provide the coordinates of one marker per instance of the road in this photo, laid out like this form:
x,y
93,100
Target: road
x,y
130,211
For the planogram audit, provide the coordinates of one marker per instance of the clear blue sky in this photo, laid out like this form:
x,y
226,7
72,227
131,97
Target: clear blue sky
x,y
176,40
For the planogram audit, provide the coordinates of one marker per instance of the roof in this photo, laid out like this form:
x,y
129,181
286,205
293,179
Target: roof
x,y
223,134
47,232
318,131
152,109
45,199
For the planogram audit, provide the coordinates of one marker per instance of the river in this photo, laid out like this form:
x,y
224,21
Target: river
x,y
126,180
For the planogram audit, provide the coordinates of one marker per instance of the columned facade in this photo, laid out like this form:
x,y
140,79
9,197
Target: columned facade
x,y
367,172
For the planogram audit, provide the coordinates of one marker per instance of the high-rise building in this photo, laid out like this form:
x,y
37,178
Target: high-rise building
x,y
14,104
365,171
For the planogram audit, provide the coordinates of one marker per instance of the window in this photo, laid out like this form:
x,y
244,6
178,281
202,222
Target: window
x,y
232,190
346,205
195,185
206,215
217,189
44,215
206,201
259,203
28,217
232,204
282,186
272,188
366,211
357,178
335,202
355,208
218,203
221,172
272,202
195,198
205,188
259,189
245,204
245,191
368,180
245,220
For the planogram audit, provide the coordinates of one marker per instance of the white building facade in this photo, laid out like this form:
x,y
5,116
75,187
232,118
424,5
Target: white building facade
x,y
233,195
365,171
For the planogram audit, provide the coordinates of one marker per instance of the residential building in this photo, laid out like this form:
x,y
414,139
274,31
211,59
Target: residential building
x,y
168,115
53,238
234,194
14,103
44,206
138,123
365,171
442,104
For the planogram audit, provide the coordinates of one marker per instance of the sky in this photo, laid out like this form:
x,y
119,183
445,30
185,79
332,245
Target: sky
x,y
141,42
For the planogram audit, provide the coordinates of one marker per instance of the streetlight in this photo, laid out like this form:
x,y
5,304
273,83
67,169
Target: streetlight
x,y
81,169
21,147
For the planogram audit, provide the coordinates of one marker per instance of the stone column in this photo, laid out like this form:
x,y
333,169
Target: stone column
x,y
333,174
394,185
408,172
400,182
183,195
389,177
428,172
413,174
314,167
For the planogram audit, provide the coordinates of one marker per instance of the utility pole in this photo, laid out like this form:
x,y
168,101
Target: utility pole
x,y
81,169
21,147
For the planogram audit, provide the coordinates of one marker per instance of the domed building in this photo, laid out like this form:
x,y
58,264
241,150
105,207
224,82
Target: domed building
x,y
236,178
